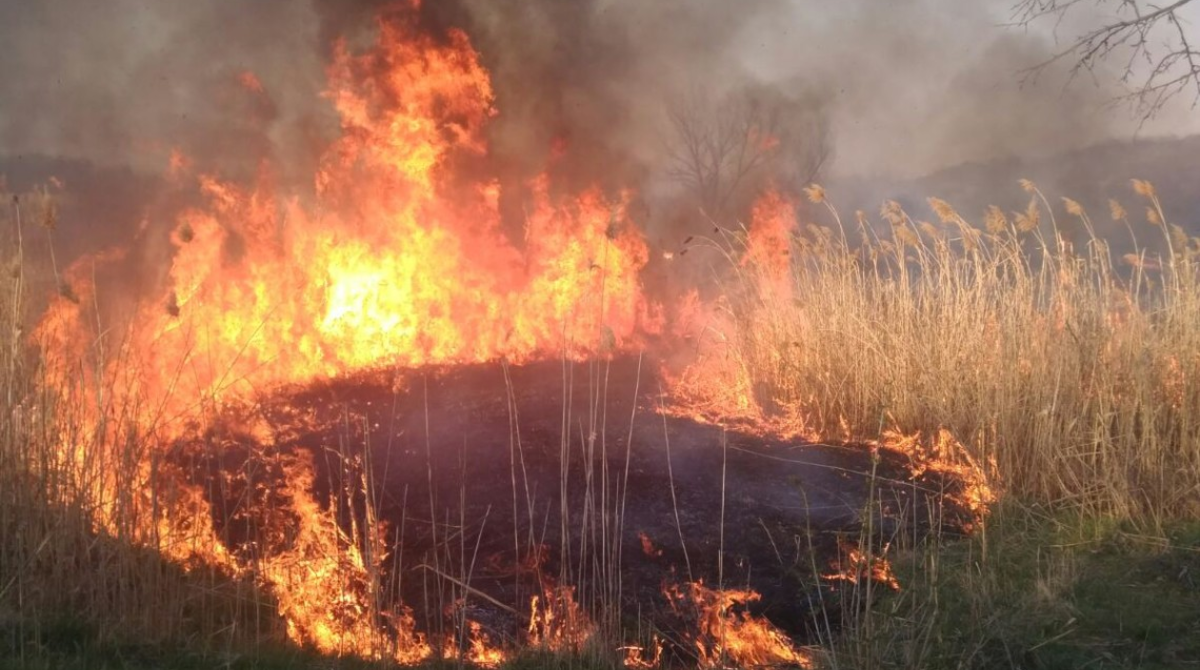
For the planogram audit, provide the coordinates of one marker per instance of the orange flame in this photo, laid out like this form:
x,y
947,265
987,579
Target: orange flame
x,y
398,260
853,566
725,631
481,652
768,245
637,657
944,454
717,385
557,622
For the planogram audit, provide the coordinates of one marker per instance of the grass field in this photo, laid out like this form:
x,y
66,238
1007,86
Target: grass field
x,y
1071,380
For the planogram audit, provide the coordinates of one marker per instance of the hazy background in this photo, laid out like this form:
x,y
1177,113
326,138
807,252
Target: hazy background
x,y
903,89
911,86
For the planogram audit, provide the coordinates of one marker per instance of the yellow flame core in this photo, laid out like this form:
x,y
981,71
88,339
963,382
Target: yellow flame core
x,y
397,260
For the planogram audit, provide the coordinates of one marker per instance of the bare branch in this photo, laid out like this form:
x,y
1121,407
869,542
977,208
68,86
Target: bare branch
x,y
1159,61
724,151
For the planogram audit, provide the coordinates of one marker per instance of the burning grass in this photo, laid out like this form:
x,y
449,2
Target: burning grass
x,y
726,633
321,582
1012,359
1066,374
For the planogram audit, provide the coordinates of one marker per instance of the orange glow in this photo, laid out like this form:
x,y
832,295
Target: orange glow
x,y
396,260
399,257
638,658
718,386
768,245
320,578
649,549
557,623
725,632
480,651
251,82
398,263
853,568
945,455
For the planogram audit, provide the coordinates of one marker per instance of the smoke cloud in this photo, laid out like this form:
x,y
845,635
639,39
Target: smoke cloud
x,y
125,82
901,88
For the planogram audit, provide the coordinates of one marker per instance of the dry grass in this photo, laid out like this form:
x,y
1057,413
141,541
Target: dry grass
x,y
1073,374
84,493
59,568
1077,376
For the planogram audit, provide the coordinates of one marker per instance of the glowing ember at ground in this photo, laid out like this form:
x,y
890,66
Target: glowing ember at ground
x,y
639,658
556,621
852,566
433,480
727,634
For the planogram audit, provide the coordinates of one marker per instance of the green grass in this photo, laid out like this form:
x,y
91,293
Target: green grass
x,y
73,645
1041,589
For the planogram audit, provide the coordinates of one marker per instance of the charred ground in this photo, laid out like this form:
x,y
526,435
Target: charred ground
x,y
510,479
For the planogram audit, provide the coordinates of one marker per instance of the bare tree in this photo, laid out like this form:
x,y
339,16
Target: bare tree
x,y
723,150
1150,41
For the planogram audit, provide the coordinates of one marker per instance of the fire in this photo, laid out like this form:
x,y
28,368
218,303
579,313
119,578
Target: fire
x,y
638,658
649,549
321,578
557,622
725,631
718,385
480,652
853,566
398,259
398,262
768,245
945,455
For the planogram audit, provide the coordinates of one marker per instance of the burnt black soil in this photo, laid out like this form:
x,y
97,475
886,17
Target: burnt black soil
x,y
478,470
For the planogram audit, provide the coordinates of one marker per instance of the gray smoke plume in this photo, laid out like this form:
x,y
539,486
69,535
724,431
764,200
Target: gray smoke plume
x,y
899,88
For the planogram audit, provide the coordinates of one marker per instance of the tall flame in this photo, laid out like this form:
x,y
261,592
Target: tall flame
x,y
399,261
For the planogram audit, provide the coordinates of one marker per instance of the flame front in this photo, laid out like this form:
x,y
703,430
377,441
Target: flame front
x,y
398,261
400,257
725,632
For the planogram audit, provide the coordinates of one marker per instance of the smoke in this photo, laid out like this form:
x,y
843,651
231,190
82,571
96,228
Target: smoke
x,y
900,88
126,82
597,74
908,87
